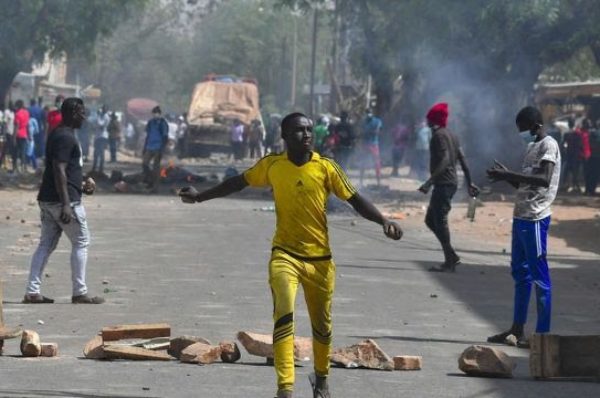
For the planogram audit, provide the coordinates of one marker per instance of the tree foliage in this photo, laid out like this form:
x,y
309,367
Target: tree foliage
x,y
29,29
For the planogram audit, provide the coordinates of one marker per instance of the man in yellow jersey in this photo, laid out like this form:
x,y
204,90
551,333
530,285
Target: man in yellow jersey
x,y
301,181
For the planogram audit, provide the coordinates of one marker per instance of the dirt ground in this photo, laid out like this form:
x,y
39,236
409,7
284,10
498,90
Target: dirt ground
x,y
575,220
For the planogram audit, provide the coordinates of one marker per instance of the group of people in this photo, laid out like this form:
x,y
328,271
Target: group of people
x,y
23,132
580,148
301,180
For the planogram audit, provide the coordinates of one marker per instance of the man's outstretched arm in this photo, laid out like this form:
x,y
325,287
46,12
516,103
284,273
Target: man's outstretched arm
x,y
367,210
541,177
227,187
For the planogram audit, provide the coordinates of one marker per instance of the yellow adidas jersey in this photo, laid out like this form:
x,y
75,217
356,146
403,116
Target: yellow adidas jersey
x,y
301,194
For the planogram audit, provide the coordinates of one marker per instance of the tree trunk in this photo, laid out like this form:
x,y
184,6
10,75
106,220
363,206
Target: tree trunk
x,y
7,75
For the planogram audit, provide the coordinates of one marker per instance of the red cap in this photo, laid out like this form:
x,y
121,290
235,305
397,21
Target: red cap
x,y
438,114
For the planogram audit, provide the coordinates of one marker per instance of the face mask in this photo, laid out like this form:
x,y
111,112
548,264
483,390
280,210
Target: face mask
x,y
526,136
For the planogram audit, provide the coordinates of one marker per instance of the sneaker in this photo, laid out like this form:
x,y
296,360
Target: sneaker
x,y
37,299
285,394
85,299
503,338
319,385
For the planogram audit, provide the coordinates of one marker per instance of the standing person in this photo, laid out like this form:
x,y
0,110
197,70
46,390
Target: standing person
x,y
400,135
586,153
61,208
421,160
54,116
9,136
21,133
573,148
157,136
445,154
36,112
100,139
372,126
537,185
237,140
114,136
594,161
83,136
33,131
256,135
301,181
345,140
321,133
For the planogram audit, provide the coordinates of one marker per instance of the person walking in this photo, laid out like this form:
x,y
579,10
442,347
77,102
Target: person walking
x,y
157,136
445,154
301,181
21,134
61,208
100,139
371,130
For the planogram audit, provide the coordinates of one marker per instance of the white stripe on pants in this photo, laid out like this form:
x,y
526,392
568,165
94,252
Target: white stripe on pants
x,y
52,228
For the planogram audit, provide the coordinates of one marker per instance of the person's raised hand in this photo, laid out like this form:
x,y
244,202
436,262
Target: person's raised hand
x,y
392,230
188,194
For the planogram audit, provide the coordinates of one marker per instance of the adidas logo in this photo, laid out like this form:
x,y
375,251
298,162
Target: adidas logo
x,y
299,183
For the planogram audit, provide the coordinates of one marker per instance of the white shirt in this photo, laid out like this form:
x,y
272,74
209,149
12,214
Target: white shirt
x,y
533,203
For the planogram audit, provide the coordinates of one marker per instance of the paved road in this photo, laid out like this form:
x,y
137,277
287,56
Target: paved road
x,y
203,270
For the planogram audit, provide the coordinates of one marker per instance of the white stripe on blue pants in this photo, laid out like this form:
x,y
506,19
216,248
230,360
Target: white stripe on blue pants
x,y
530,266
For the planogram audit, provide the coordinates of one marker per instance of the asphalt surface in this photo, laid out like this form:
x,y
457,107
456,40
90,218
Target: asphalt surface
x,y
203,269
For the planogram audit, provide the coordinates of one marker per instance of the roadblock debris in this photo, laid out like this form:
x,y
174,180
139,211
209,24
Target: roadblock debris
x,y
408,362
365,354
30,344
484,361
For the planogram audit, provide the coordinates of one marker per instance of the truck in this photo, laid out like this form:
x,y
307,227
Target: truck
x,y
215,103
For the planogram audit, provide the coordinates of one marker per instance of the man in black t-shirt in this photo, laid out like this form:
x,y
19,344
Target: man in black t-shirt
x,y
445,153
59,199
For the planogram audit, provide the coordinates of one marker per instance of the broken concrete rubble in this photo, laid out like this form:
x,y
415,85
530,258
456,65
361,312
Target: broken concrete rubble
x,y
178,344
408,362
485,361
49,350
365,354
134,353
30,344
143,331
262,345
200,353
230,351
94,349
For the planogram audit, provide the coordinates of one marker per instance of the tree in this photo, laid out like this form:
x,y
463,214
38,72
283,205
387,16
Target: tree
x,y
32,28
486,56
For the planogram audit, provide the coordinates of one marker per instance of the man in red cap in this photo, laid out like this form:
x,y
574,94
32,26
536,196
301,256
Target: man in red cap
x,y
445,153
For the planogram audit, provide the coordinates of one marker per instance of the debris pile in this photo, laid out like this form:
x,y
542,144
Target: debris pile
x,y
152,342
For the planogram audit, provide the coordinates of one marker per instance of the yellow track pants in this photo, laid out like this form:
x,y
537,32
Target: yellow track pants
x,y
318,281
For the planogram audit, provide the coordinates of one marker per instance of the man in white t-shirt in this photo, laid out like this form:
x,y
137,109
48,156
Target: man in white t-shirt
x,y
537,185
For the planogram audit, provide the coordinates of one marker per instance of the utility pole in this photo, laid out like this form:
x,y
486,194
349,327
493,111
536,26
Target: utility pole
x,y
313,61
294,62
